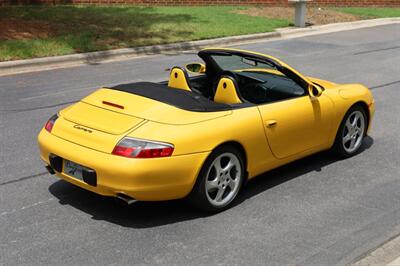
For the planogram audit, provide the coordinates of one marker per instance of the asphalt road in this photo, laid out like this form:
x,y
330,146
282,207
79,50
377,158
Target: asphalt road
x,y
317,211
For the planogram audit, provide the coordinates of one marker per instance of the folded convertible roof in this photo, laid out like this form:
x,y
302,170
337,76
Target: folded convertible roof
x,y
179,98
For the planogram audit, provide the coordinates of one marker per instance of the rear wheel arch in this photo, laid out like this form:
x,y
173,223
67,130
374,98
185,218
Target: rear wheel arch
x,y
239,147
197,195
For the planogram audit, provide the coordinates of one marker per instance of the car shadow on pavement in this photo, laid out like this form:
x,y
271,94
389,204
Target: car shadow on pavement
x,y
153,214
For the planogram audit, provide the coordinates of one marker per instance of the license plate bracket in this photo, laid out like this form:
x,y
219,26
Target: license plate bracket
x,y
80,172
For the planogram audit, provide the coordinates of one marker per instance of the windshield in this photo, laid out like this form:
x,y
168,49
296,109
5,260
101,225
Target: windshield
x,y
236,62
258,80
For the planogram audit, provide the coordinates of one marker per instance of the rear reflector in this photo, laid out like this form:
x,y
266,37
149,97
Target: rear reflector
x,y
113,104
135,148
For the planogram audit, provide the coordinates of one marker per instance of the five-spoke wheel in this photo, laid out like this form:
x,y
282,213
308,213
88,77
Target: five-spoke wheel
x,y
220,179
223,179
351,132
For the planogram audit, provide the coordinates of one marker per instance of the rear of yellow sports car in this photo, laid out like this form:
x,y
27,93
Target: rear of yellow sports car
x,y
111,175
93,144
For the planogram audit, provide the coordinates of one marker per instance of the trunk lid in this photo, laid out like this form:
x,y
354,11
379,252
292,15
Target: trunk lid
x,y
148,109
93,127
99,126
100,118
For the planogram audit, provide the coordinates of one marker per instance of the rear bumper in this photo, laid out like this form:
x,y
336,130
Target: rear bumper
x,y
142,179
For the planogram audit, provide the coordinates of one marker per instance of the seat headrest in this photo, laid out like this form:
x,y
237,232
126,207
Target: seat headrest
x,y
227,91
179,79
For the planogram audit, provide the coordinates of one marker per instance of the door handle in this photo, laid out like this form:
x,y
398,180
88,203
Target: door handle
x,y
271,123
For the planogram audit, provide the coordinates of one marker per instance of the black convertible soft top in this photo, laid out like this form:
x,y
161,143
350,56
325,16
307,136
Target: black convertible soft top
x,y
182,99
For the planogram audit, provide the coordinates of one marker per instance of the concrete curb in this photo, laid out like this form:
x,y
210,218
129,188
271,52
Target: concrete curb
x,y
335,27
45,63
385,255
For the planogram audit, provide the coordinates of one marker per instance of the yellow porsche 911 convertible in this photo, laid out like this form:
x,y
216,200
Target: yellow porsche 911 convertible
x,y
202,137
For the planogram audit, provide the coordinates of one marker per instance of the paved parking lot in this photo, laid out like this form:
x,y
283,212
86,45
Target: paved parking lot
x,y
317,211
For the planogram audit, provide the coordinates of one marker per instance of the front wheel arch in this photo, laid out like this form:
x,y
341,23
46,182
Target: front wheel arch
x,y
337,146
363,105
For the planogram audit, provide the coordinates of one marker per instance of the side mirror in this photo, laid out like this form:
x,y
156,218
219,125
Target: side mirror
x,y
314,91
196,68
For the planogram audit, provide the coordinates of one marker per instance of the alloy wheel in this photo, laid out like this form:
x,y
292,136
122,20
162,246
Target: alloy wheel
x,y
353,132
223,179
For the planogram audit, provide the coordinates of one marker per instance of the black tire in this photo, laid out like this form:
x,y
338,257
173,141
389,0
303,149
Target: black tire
x,y
339,147
198,197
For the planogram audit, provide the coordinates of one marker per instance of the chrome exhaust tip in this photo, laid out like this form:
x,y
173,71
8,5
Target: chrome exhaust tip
x,y
124,199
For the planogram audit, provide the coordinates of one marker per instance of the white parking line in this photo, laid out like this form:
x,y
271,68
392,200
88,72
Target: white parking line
x,y
26,207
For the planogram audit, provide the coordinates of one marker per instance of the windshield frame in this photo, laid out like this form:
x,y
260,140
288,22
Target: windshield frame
x,y
213,68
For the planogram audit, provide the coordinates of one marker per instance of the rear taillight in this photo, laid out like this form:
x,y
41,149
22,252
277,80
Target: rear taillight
x,y
49,125
137,148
